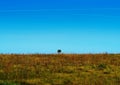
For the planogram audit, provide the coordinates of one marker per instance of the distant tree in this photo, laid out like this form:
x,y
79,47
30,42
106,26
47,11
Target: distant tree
x,y
59,51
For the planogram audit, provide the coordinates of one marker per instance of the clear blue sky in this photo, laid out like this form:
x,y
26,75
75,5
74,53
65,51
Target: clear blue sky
x,y
75,26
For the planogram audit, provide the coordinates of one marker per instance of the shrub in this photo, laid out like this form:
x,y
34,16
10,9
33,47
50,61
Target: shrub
x,y
101,66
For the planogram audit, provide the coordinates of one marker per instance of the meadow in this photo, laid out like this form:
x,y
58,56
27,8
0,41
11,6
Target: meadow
x,y
60,69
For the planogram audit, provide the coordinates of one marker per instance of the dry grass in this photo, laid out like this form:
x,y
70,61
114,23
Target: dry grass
x,y
60,69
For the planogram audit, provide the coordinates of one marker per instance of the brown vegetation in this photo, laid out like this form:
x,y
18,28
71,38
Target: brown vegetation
x,y
60,69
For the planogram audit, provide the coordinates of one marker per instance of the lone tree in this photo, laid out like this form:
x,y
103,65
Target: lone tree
x,y
59,51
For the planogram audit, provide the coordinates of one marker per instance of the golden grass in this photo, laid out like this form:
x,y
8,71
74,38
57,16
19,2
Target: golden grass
x,y
60,69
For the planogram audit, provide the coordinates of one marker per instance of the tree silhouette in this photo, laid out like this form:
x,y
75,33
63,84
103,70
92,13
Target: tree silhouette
x,y
59,51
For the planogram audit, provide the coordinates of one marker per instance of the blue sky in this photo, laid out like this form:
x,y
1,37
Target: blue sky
x,y
75,26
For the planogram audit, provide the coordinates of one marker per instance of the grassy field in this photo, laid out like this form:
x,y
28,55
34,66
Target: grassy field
x,y
60,69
